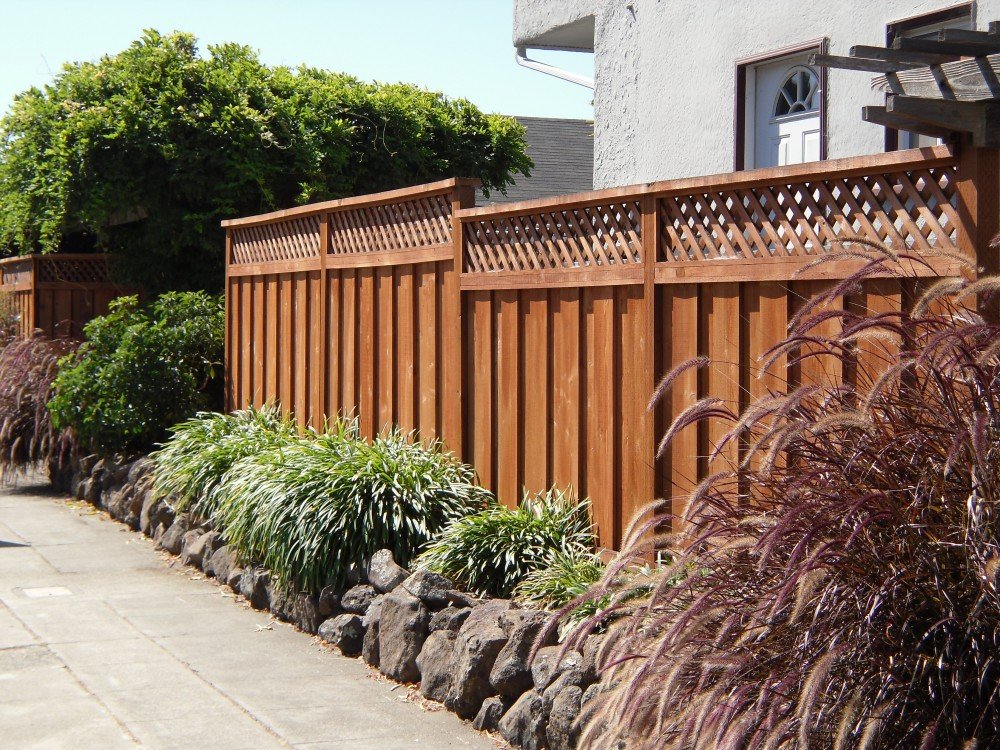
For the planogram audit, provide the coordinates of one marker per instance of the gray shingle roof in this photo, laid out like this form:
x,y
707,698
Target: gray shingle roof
x,y
563,152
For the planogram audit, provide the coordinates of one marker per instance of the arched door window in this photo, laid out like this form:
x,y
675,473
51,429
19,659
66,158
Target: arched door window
x,y
798,94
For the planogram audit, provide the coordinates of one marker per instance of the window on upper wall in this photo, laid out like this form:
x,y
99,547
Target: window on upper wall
x,y
917,27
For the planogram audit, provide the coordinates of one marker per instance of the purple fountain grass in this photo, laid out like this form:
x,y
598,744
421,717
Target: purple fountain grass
x,y
840,588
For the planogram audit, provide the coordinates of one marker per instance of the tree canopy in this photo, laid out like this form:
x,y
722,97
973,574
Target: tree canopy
x,y
142,153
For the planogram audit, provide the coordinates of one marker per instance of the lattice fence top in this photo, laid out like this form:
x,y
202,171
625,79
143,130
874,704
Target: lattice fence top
x,y
906,210
73,270
602,235
289,239
420,222
16,272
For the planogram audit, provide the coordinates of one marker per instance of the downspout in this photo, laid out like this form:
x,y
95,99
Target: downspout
x,y
520,54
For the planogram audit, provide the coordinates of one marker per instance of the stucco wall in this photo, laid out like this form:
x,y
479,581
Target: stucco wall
x,y
532,18
665,74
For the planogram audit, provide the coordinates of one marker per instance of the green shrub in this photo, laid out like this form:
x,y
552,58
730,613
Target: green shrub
x,y
310,508
27,436
490,552
140,371
563,576
191,464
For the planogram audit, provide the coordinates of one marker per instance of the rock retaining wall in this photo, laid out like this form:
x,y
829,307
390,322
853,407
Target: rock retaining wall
x,y
471,655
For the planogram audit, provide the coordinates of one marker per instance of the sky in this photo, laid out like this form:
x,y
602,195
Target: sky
x,y
459,47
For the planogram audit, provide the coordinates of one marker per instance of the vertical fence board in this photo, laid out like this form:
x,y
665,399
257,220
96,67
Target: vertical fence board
x,y
508,428
385,348
720,329
535,357
350,360
602,456
682,302
367,377
405,350
566,364
427,351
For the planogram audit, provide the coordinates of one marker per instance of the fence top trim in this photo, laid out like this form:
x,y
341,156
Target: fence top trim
x,y
388,196
51,256
928,157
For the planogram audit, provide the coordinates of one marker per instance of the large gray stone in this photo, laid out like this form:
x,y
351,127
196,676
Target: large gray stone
x,y
140,468
476,650
296,607
488,718
329,601
430,588
565,679
374,612
202,547
87,463
173,538
369,649
357,599
549,663
592,658
450,618
254,585
221,563
563,731
511,673
346,632
402,632
492,612
235,579
383,572
435,663
524,723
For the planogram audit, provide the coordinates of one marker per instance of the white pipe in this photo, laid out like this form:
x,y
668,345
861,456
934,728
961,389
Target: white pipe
x,y
522,60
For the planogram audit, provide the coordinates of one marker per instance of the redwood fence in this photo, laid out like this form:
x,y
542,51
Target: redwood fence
x,y
57,294
529,336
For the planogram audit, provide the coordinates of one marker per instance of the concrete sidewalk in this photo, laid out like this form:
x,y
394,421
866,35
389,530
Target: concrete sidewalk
x,y
104,644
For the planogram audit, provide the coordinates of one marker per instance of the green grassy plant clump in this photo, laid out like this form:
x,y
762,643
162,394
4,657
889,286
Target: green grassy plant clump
x,y
190,466
27,435
141,370
847,593
493,550
310,508
564,576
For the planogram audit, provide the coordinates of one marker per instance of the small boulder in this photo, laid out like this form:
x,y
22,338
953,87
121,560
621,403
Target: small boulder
x,y
91,490
592,661
192,548
449,618
201,549
567,678
374,612
221,563
254,585
346,632
563,730
234,579
296,607
383,572
329,601
491,612
435,663
547,665
476,650
369,649
511,673
139,469
430,588
173,538
402,632
524,723
87,463
488,718
357,599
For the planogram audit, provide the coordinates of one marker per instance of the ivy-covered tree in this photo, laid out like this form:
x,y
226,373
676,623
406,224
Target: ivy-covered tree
x,y
142,153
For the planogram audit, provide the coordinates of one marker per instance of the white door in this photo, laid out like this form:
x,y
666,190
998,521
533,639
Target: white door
x,y
786,113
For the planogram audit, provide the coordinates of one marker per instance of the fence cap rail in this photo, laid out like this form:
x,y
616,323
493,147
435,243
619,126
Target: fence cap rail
x,y
924,158
388,196
51,256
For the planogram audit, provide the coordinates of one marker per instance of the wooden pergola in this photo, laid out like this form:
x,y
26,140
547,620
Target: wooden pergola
x,y
941,86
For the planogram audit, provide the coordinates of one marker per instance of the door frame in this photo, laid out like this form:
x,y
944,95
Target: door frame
x,y
743,115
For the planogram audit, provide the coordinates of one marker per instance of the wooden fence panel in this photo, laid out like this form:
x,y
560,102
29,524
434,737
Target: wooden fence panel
x,y
530,336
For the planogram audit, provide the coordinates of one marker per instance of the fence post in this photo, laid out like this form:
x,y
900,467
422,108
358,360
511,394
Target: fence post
x,y
462,196
978,189
227,354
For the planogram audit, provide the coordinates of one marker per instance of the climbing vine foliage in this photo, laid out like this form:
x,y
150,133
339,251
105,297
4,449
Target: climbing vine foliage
x,y
141,153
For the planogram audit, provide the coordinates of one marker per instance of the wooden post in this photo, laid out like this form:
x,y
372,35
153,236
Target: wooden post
x,y
979,211
321,409
228,342
462,196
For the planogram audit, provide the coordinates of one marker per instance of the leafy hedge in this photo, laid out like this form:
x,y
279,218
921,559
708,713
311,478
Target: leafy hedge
x,y
143,152
141,370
